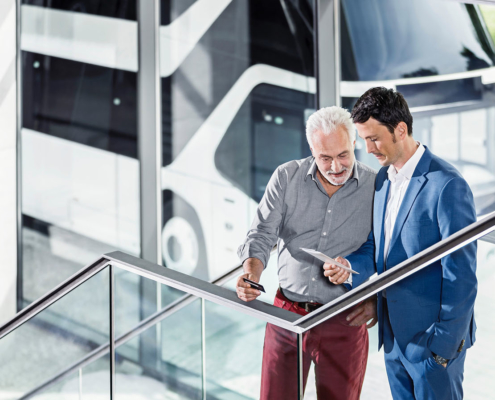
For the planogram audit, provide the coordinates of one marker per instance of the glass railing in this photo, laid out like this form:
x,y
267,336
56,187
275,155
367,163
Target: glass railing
x,y
44,344
204,343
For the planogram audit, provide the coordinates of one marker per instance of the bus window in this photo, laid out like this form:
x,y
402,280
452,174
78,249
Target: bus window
x,y
268,131
392,39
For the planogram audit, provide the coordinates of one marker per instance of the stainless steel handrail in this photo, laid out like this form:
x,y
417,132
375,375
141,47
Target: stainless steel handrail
x,y
267,312
51,297
73,282
401,271
152,320
223,296
291,321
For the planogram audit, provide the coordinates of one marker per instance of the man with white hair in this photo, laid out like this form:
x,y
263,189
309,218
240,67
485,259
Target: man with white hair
x,y
323,202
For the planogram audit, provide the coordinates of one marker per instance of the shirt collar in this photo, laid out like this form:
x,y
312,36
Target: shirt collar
x,y
406,172
313,167
312,170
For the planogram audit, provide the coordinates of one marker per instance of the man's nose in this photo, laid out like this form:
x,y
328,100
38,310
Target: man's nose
x,y
336,166
370,146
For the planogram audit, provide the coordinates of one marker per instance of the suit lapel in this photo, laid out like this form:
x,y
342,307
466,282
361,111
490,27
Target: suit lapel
x,y
380,205
417,182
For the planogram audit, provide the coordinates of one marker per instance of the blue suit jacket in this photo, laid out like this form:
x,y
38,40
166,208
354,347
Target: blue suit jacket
x,y
432,310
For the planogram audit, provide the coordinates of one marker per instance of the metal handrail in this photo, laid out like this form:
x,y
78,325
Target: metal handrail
x,y
267,312
51,297
292,321
72,283
147,323
209,291
401,271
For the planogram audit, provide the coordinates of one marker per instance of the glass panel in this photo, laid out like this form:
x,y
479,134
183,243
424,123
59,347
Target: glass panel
x,y
442,38
481,357
79,141
92,381
136,299
169,358
80,173
235,356
239,89
464,136
56,338
68,387
454,118
234,352
104,8
488,13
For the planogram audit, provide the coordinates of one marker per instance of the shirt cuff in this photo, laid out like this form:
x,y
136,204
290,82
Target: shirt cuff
x,y
245,251
349,280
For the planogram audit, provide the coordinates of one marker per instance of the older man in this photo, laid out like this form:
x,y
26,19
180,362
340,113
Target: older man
x,y
323,202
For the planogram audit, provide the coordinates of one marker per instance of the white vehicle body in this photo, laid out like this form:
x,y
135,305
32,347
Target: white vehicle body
x,y
95,193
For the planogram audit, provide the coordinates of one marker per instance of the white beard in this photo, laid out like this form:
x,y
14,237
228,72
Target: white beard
x,y
338,182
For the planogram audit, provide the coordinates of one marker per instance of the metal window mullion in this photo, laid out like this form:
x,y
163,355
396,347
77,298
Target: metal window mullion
x,y
150,160
149,129
19,286
328,53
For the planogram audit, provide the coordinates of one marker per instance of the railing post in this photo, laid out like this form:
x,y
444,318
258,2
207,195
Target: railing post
x,y
203,345
112,332
300,377
80,384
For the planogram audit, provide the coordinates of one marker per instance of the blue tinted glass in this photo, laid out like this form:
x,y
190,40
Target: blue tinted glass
x,y
267,132
391,39
105,8
84,103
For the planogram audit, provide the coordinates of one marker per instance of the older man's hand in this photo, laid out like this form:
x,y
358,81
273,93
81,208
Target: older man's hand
x,y
244,290
335,274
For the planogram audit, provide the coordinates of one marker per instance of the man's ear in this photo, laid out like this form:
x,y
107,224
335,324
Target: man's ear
x,y
401,130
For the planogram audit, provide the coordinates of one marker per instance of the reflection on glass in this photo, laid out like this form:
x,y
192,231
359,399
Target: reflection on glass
x,y
136,299
267,131
441,38
478,383
488,13
234,351
80,173
48,344
104,8
464,136
92,381
233,108
169,363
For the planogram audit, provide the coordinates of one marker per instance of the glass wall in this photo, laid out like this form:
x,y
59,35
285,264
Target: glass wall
x,y
237,82
80,173
442,59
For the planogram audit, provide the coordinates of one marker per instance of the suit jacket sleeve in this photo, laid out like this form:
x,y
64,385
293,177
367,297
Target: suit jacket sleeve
x,y
459,283
363,261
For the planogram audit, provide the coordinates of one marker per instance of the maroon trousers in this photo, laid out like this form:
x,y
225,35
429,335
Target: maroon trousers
x,y
339,352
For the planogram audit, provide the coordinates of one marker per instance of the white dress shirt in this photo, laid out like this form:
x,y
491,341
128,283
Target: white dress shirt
x,y
399,182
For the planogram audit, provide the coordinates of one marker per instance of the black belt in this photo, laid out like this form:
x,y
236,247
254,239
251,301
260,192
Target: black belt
x,y
305,305
309,307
